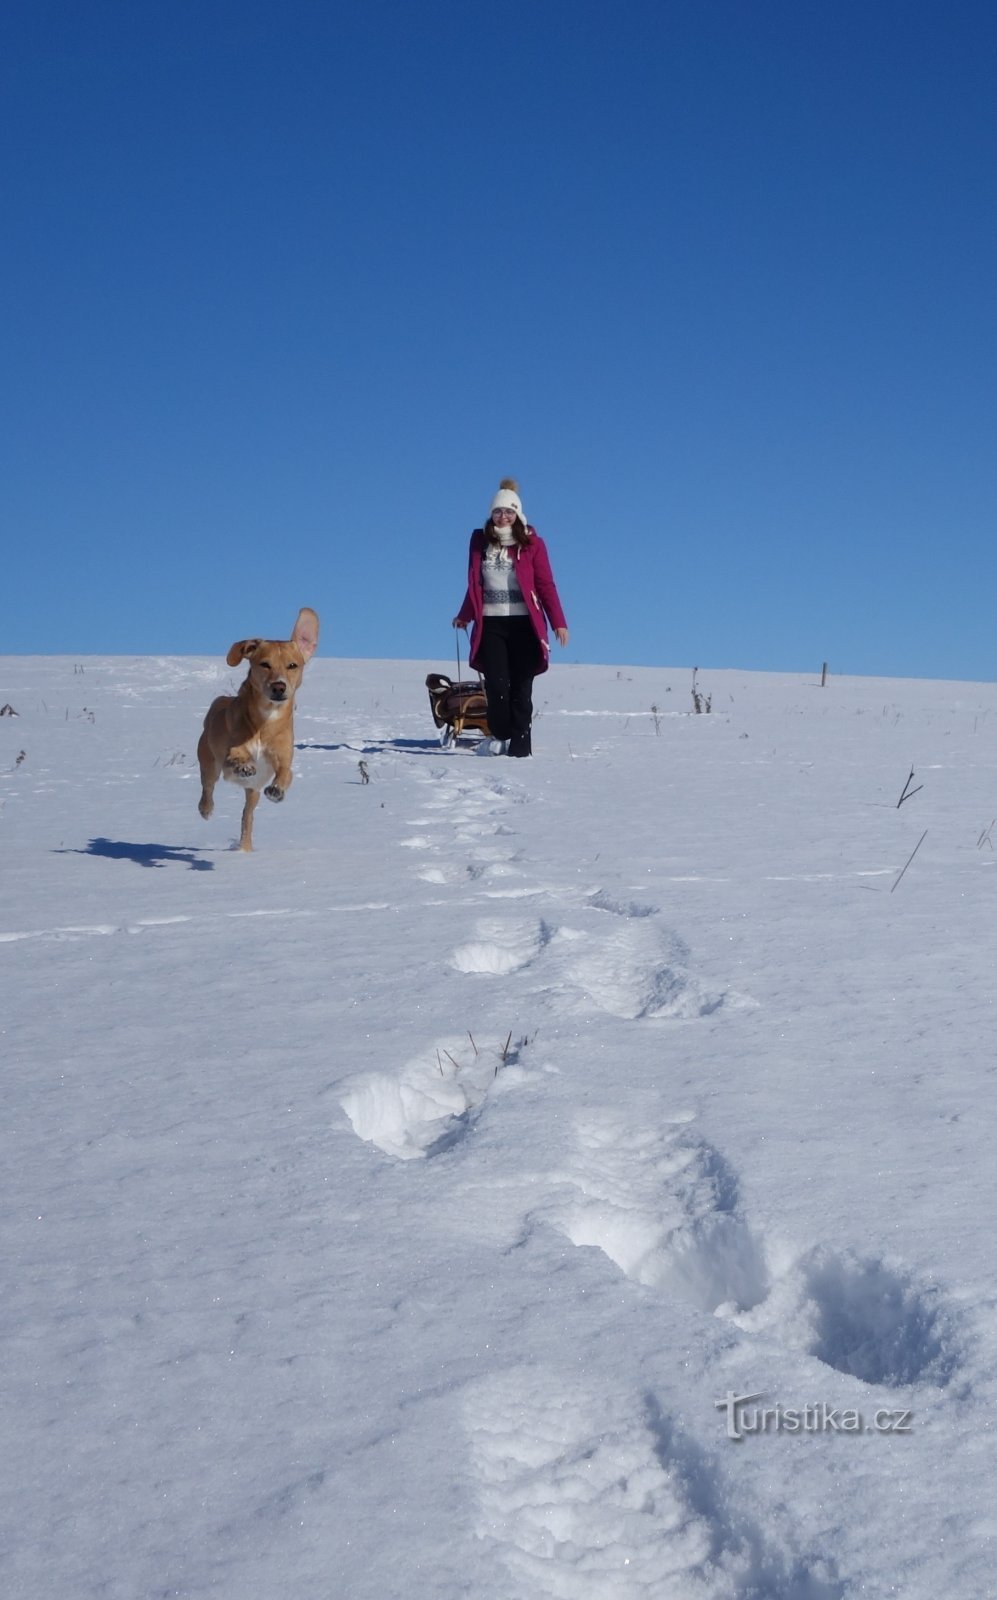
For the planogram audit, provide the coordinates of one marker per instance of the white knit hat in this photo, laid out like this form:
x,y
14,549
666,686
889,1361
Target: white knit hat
x,y
508,499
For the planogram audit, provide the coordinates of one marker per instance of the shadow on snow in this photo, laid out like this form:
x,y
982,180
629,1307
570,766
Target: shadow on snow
x,y
144,855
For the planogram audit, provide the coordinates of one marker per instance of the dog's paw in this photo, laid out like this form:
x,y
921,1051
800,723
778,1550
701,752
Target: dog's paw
x,y
273,791
242,769
205,808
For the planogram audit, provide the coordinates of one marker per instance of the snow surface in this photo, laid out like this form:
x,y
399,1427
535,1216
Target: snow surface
x,y
387,1212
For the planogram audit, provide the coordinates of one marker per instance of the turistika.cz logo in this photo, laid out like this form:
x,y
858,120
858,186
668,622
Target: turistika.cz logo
x,y
744,1418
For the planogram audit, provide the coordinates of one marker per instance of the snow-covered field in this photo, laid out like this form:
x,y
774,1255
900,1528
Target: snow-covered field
x,y
387,1212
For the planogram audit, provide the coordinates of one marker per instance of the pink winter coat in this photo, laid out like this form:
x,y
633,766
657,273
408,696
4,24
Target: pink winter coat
x,y
535,580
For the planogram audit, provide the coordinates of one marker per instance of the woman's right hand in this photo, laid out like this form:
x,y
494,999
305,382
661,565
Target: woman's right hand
x,y
457,623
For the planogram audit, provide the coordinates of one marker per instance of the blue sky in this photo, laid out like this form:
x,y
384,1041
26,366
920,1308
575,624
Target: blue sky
x,y
288,286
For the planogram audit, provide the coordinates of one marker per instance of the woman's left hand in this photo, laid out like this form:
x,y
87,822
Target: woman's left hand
x,y
561,635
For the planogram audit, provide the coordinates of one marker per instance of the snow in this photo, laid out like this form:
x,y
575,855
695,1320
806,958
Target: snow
x,y
392,1211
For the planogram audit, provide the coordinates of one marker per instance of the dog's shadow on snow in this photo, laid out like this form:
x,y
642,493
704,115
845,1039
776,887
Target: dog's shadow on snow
x,y
144,855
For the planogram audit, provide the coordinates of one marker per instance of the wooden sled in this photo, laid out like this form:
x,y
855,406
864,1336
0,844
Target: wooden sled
x,y
456,707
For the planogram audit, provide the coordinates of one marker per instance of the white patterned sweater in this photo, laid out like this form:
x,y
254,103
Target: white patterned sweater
x,y
500,585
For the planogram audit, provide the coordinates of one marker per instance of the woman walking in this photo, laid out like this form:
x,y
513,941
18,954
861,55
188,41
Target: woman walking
x,y
510,597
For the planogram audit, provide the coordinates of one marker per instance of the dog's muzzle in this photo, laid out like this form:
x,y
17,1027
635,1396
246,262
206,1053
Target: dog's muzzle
x,y
277,691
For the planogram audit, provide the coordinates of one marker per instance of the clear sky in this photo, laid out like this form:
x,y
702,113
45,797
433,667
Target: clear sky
x,y
289,285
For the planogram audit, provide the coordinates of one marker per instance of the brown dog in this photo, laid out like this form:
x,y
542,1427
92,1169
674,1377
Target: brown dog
x,y
248,738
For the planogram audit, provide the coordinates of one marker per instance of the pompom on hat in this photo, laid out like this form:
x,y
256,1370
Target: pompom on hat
x,y
508,499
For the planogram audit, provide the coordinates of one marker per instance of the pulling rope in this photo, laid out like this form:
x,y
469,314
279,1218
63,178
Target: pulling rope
x,y
457,725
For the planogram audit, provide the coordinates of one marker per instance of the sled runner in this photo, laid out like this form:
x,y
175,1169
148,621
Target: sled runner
x,y
456,707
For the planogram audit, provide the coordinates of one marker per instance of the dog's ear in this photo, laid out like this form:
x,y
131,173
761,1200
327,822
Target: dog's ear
x,y
305,635
240,650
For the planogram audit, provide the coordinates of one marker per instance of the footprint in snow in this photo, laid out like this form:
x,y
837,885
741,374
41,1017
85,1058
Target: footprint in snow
x,y
601,900
501,947
470,832
589,1494
631,970
427,1107
863,1317
451,872
574,1501
662,1204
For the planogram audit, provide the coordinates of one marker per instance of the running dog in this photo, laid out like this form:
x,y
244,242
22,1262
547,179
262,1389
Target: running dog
x,y
248,737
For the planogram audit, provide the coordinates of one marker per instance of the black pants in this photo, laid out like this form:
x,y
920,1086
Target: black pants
x,y
508,660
